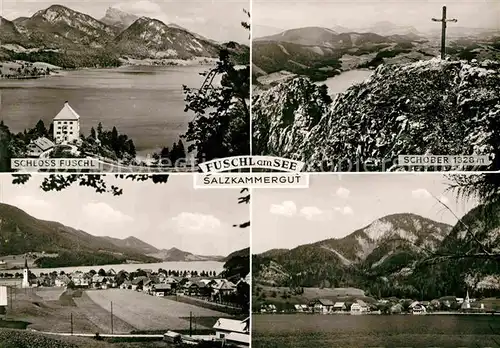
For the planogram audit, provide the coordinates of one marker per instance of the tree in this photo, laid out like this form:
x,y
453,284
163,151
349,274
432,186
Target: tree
x,y
40,130
99,130
221,127
101,273
50,133
93,134
114,140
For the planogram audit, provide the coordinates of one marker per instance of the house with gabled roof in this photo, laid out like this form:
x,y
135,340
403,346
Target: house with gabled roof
x,y
138,282
233,332
224,287
162,289
322,306
126,285
359,307
339,307
38,146
62,280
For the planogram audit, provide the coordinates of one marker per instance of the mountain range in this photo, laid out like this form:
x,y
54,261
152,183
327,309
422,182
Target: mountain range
x,y
390,255
374,246
69,38
21,233
387,28
320,53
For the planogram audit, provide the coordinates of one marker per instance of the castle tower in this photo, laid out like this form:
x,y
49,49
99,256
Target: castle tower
x,y
66,125
26,281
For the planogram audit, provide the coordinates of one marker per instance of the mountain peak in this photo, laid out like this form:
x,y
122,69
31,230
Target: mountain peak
x,y
118,18
57,9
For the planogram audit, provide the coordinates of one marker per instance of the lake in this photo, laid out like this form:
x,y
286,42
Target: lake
x,y
363,331
342,82
174,266
144,102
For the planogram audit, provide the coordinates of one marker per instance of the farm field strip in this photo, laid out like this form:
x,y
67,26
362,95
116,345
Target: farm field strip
x,y
147,312
50,294
101,317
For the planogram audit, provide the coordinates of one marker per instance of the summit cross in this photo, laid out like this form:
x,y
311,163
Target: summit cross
x,y
443,21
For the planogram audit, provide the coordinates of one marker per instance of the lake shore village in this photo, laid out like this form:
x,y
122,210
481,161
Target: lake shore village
x,y
366,305
159,283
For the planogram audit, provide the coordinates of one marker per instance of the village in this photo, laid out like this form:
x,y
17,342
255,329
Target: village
x,y
161,303
203,286
368,305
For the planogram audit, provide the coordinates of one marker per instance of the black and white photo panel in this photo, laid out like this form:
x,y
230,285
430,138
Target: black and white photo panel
x,y
131,86
92,261
377,260
356,86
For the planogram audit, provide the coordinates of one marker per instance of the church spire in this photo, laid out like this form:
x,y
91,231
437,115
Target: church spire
x,y
25,262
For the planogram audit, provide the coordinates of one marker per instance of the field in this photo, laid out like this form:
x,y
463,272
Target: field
x,y
361,331
145,312
45,312
49,294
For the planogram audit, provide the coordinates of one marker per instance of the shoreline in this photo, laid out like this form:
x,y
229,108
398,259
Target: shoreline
x,y
125,63
116,264
371,314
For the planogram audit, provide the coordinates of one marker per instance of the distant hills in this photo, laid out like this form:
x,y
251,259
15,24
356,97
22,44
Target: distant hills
x,y
319,52
64,37
377,245
388,258
21,233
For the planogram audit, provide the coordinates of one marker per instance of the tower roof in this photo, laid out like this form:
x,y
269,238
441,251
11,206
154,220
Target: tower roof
x,y
25,262
67,113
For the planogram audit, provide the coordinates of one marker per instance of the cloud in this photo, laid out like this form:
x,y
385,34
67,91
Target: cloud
x,y
311,213
421,194
287,208
342,192
347,210
196,222
143,8
104,212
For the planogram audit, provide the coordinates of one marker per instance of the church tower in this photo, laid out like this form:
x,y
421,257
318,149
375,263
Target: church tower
x,y
26,280
466,304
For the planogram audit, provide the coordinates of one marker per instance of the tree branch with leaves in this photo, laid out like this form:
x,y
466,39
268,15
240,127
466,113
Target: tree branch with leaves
x,y
221,126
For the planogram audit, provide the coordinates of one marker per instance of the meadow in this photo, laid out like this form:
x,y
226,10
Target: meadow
x,y
145,312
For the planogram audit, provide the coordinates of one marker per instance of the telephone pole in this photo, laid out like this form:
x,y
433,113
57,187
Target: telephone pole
x,y
190,324
112,317
443,21
71,319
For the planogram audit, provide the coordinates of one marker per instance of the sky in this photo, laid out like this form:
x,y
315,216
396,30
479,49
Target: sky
x,y
285,14
167,215
215,19
336,205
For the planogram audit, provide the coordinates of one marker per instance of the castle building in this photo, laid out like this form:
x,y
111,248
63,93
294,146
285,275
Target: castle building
x,y
26,271
66,125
